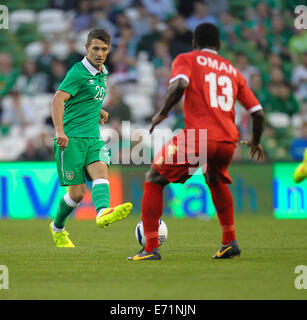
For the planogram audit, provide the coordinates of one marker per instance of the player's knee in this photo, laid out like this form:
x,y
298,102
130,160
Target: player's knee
x,y
78,195
149,177
153,176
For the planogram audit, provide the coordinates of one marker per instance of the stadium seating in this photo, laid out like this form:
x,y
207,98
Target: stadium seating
x,y
33,49
32,21
18,17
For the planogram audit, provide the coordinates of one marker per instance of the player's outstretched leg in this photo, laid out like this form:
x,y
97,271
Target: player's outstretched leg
x,y
300,172
108,216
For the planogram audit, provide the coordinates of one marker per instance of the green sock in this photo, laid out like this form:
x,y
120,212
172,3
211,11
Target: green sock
x,y
101,194
66,206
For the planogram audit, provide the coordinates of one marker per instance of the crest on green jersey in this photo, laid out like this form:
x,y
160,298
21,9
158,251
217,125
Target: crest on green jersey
x,y
70,175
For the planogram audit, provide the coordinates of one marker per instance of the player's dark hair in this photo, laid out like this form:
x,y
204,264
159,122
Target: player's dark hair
x,y
206,35
98,34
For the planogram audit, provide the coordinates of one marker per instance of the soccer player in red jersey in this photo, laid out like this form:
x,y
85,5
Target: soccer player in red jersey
x,y
211,85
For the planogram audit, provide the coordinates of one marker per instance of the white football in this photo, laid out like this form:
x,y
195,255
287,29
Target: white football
x,y
140,237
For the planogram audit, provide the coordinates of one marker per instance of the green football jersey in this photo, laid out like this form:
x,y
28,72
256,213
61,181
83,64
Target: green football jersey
x,y
87,88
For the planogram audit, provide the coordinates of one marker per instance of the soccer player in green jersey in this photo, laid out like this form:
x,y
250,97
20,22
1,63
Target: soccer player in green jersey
x,y
76,111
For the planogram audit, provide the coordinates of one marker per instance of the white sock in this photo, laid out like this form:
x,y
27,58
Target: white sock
x,y
100,212
55,229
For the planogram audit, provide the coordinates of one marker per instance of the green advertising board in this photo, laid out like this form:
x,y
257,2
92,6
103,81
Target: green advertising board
x,y
251,190
29,190
32,190
289,197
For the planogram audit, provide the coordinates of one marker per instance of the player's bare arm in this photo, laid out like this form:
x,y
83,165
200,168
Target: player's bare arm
x,y
256,149
174,94
57,112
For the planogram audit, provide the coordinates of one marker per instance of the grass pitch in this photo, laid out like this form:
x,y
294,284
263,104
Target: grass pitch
x,y
97,268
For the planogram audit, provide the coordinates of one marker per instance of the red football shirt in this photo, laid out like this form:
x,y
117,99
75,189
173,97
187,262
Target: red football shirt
x,y
214,86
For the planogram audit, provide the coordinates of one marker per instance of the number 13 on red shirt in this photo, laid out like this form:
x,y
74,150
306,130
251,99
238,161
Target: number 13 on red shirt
x,y
225,101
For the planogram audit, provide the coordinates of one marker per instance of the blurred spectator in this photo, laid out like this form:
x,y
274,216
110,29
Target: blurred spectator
x,y
298,44
161,56
161,61
100,21
8,75
31,81
121,21
244,67
262,14
168,36
163,75
44,60
284,102
185,8
288,104
147,41
122,4
57,75
299,79
115,10
274,147
299,144
17,112
278,37
276,75
273,89
249,26
216,7
73,56
182,36
163,9
259,90
45,147
48,122
116,107
30,153
65,5
229,30
256,24
102,5
262,20
200,15
82,20
123,56
275,60
141,25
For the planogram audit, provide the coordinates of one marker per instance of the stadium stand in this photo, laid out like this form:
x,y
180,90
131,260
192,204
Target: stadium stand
x,y
46,38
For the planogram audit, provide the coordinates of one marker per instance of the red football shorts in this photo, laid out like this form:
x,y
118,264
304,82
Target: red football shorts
x,y
184,152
